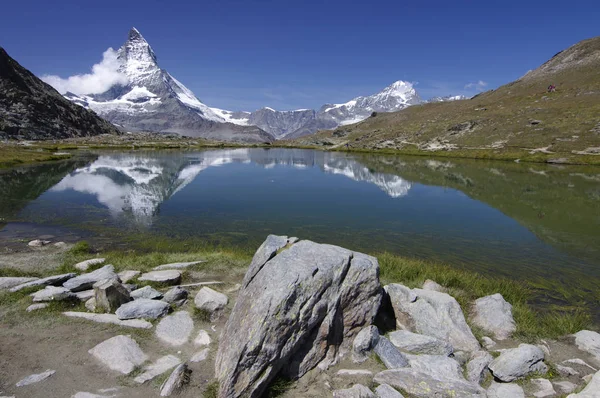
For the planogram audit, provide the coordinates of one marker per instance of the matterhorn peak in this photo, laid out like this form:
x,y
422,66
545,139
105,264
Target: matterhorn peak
x,y
138,61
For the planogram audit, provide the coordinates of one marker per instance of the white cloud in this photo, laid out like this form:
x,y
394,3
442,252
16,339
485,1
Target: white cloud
x,y
479,85
104,75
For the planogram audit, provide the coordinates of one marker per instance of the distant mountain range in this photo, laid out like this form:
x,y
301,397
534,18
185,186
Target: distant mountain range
x,y
153,100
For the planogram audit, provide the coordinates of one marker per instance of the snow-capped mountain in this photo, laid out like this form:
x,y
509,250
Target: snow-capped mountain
x,y
153,100
448,98
293,124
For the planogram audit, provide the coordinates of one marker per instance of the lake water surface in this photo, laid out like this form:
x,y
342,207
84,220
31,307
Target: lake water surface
x,y
516,220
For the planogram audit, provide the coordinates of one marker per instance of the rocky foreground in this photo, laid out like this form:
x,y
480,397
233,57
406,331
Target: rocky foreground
x,y
312,314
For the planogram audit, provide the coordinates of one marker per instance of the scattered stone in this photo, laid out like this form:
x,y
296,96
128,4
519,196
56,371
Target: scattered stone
x,y
581,362
10,281
505,390
424,385
202,339
35,378
146,292
83,394
38,243
433,314
91,304
494,315
176,380
85,265
110,295
387,391
534,122
477,366
354,372
34,307
86,281
587,378
516,363
171,277
432,285
419,343
565,387
110,318
51,280
438,366
85,295
363,343
297,309
53,293
61,245
566,371
176,295
130,287
175,329
176,265
391,357
488,343
357,391
592,390
210,300
159,367
200,355
543,388
588,341
120,353
143,308
126,276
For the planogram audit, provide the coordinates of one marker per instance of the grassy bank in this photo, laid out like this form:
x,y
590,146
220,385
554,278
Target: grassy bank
x,y
14,155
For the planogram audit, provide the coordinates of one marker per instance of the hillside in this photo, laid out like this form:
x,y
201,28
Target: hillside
x,y
519,116
33,110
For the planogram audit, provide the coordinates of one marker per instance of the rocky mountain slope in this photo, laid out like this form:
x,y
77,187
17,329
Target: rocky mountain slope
x,y
31,109
155,101
519,116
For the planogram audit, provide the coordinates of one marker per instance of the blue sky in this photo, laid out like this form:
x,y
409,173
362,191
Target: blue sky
x,y
242,55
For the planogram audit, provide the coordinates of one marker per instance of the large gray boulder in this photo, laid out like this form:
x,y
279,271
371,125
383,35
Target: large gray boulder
x,y
175,329
146,292
211,301
420,343
143,308
295,309
494,315
86,281
592,390
53,280
357,391
12,281
391,357
85,265
170,276
433,314
505,390
110,295
176,295
589,341
119,353
477,366
53,293
516,363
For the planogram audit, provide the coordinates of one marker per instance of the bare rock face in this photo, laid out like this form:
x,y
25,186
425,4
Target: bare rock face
x,y
295,309
494,315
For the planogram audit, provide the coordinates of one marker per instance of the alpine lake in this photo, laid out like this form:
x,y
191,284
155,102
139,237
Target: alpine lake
x,y
532,222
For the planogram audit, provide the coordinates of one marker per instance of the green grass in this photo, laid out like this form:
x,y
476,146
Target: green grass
x,y
278,387
80,248
211,390
13,155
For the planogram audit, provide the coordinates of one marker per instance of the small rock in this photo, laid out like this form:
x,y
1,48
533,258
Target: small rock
x,y
85,295
130,287
86,281
505,390
210,300
176,295
477,366
387,391
202,339
176,265
357,391
110,295
51,280
363,343
543,388
535,122
110,318
437,366
175,329
516,363
34,307
35,378
354,372
159,367
588,341
592,390
10,281
494,315
53,293
38,243
172,277
119,353
425,385
85,265
83,394
61,245
419,344
91,304
565,387
566,371
432,285
176,380
391,357
488,343
587,378
200,355
581,362
146,292
126,276
143,308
